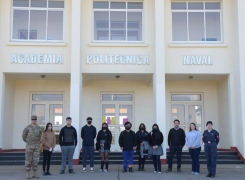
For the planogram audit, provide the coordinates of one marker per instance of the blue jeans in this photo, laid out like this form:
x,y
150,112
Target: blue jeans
x,y
195,159
86,150
128,158
211,156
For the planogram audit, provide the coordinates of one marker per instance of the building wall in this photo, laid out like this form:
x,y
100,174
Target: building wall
x,y
23,89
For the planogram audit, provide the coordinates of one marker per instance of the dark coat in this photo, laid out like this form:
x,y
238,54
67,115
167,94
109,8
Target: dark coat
x,y
108,140
155,139
138,138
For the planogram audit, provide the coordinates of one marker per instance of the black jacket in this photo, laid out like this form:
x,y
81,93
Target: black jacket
x,y
155,139
176,137
107,144
127,140
139,140
88,135
68,136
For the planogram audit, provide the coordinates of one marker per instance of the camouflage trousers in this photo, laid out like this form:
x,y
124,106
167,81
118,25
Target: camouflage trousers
x,y
32,157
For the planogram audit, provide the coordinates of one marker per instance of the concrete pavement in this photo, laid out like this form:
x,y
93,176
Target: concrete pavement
x,y
234,172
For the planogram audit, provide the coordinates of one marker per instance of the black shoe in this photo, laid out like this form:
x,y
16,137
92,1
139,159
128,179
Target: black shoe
x,y
168,170
212,176
48,173
130,170
142,169
44,173
208,175
71,171
124,170
139,169
62,171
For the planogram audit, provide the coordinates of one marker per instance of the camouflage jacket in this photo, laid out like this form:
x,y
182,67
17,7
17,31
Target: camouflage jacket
x,y
32,136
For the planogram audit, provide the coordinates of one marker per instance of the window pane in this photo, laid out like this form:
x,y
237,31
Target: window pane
x,y
39,111
56,4
21,3
109,114
178,6
38,3
212,5
196,26
56,114
55,25
195,6
186,97
125,114
199,128
135,5
118,5
101,5
178,112
213,29
195,114
179,26
47,97
134,26
118,26
20,24
38,24
117,97
101,25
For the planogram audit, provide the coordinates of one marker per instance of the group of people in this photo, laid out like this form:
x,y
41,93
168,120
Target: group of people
x,y
146,144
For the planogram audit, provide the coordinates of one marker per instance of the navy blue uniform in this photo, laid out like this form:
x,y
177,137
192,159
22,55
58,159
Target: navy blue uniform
x,y
211,140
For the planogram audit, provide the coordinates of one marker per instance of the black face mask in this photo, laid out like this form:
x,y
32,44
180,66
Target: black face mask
x,y
104,128
127,128
154,130
89,122
142,128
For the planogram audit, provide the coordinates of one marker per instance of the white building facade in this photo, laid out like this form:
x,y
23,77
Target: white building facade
x,y
143,61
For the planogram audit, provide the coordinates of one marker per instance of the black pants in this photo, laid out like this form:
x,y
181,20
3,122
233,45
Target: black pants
x,y
46,159
157,162
172,150
141,161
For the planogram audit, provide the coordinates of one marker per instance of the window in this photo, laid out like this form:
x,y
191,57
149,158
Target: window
x,y
40,20
48,108
117,21
196,21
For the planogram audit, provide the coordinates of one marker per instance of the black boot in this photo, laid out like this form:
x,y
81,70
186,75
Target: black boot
x,y
130,170
44,173
106,165
139,168
142,168
102,165
48,173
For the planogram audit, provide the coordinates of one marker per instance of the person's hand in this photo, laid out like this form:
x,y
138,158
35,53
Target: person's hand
x,y
141,144
102,145
121,148
134,148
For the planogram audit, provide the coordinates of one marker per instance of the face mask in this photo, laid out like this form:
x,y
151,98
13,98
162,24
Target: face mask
x,y
89,122
142,128
154,130
104,128
127,128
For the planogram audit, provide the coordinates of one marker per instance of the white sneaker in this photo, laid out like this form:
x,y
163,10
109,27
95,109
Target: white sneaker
x,y
105,170
101,170
159,172
196,173
91,169
192,172
154,171
84,170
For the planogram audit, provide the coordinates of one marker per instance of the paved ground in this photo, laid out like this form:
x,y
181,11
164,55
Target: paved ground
x,y
234,172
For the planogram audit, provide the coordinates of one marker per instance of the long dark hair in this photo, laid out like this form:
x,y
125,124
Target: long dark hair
x,y
106,126
158,132
194,125
142,124
47,125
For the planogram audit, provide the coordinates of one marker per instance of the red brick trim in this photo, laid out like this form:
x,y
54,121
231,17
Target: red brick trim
x,y
75,161
163,161
234,149
220,149
0,149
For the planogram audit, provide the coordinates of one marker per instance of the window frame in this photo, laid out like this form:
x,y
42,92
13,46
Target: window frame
x,y
203,11
47,107
47,9
118,10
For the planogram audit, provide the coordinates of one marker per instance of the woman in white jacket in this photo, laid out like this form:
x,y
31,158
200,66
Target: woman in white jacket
x,y
193,142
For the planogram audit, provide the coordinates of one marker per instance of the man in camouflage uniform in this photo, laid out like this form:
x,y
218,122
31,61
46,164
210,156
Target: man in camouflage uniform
x,y
32,136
